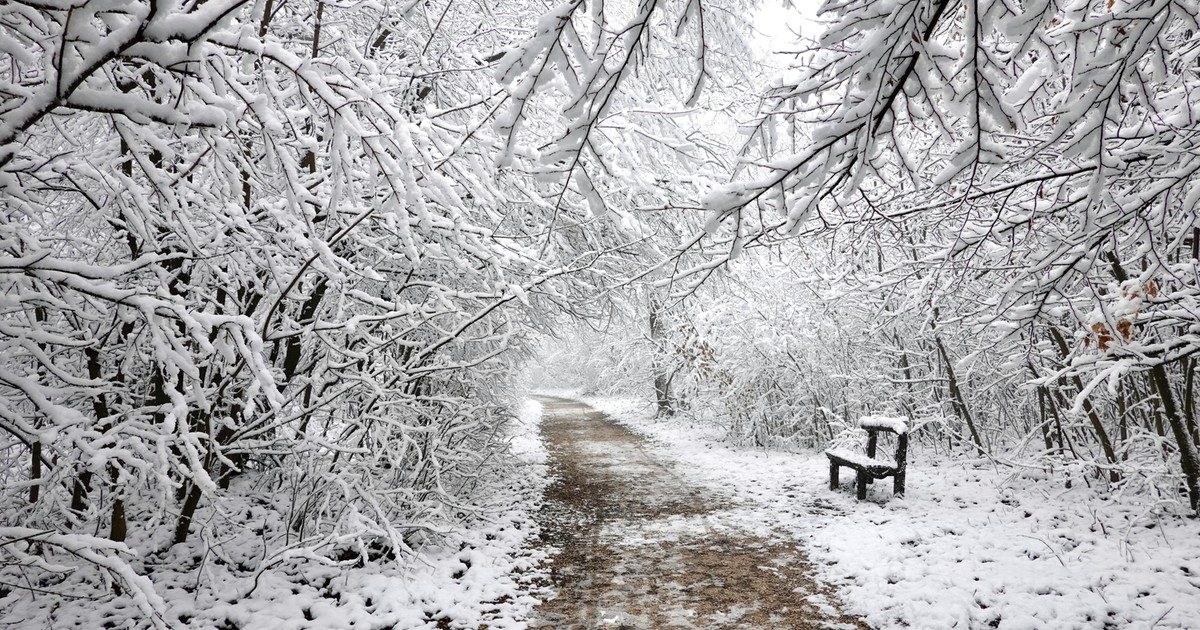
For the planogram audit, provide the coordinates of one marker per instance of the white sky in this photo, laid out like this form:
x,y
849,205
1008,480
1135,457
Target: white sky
x,y
777,20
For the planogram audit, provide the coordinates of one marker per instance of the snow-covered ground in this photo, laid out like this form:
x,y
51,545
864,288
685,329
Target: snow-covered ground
x,y
970,546
481,575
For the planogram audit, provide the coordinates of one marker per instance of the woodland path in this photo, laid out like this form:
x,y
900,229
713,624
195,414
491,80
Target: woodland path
x,y
639,546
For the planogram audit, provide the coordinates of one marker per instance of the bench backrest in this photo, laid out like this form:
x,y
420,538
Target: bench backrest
x,y
901,443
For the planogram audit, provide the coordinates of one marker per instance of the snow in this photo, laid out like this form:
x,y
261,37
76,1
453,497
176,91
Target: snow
x,y
854,457
970,545
525,443
896,425
485,573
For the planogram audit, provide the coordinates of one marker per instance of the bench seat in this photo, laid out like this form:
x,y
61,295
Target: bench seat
x,y
855,459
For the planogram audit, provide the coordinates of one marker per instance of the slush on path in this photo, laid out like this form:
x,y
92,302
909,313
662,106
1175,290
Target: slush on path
x,y
639,546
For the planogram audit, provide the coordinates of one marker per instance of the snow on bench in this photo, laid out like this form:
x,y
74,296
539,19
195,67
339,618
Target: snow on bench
x,y
896,425
859,459
868,466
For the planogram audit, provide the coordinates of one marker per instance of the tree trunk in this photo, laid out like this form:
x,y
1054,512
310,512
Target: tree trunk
x,y
185,515
1097,426
1189,400
35,470
118,528
956,395
1187,451
662,376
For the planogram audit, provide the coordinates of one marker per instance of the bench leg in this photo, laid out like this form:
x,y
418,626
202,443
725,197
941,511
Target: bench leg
x,y
833,476
898,484
861,482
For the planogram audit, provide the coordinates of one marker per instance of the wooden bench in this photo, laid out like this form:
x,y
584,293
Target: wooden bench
x,y
867,466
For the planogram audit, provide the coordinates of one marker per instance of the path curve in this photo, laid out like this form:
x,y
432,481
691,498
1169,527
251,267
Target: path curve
x,y
639,546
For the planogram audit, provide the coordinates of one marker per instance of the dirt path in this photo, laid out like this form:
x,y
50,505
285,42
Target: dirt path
x,y
641,547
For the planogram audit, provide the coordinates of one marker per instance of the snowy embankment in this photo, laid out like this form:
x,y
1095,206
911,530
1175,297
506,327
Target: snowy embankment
x,y
481,574
969,547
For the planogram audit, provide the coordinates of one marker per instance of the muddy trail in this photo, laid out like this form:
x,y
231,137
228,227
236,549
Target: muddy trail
x,y
639,546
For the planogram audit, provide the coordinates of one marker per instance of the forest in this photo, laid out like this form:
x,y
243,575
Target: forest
x,y
280,277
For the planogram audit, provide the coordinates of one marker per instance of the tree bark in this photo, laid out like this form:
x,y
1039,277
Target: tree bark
x,y
1097,426
188,511
662,376
1187,451
956,395
117,528
35,470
